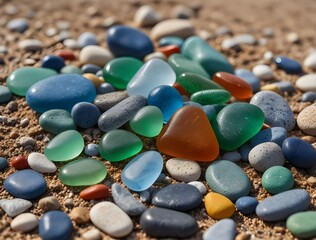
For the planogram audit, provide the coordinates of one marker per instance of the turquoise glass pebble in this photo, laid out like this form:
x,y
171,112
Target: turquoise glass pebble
x,y
70,69
196,49
5,94
277,179
167,99
60,92
142,171
65,146
152,74
21,79
82,172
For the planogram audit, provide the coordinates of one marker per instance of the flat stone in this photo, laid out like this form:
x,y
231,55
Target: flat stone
x,y
246,204
165,223
40,163
179,197
53,62
263,72
92,234
34,187
55,225
14,207
172,27
111,219
266,155
274,134
224,229
18,25
105,101
310,61
30,45
277,179
49,203
146,16
126,201
302,224
233,156
218,206
282,205
276,109
306,82
219,177
24,222
183,170
95,55
308,96
305,120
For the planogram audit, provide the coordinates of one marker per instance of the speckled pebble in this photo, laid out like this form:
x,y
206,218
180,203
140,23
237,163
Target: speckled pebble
x,y
183,170
200,186
266,155
276,109
14,207
24,222
246,204
306,120
105,101
224,229
277,179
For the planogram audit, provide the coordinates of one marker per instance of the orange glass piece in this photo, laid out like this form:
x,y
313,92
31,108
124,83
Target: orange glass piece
x,y
189,135
238,87
168,50
180,89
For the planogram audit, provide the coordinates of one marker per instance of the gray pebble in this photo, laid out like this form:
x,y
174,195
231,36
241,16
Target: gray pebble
x,y
12,106
225,229
14,207
105,101
18,25
308,97
30,44
145,196
49,203
232,156
285,86
183,170
25,141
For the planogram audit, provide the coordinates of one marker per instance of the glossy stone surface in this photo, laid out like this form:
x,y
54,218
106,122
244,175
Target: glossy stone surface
x,y
126,201
86,39
219,177
277,179
246,204
302,225
82,172
308,97
189,135
21,79
148,121
274,134
238,87
16,184
142,171
95,192
299,153
218,206
85,114
113,74
19,162
249,77
276,109
180,64
56,121
224,229
289,65
117,145
236,123
196,49
163,223
25,222
193,83
64,146
167,99
121,113
127,41
152,74
60,92
55,225
53,62
212,96
282,205
5,94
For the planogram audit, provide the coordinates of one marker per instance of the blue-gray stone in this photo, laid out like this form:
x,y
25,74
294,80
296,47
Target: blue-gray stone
x,y
87,38
18,25
179,196
126,201
246,204
228,179
209,111
85,114
288,65
91,149
285,86
249,77
105,88
53,62
26,184
166,223
3,163
56,121
90,68
224,229
308,97
60,92
274,134
5,94
55,225
171,40
105,101
244,152
276,109
121,113
282,205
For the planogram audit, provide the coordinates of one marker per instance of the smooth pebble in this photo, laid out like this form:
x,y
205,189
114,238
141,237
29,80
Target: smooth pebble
x,y
246,204
224,229
95,55
92,234
85,114
306,82
146,16
48,203
302,225
199,185
40,163
86,39
30,45
14,207
24,222
274,134
263,72
306,120
183,170
310,61
277,179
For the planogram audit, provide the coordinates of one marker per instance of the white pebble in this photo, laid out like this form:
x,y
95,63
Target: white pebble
x,y
92,234
310,61
30,44
306,83
263,72
268,56
229,43
40,163
24,222
199,185
71,44
15,206
293,37
95,55
153,55
146,16
205,35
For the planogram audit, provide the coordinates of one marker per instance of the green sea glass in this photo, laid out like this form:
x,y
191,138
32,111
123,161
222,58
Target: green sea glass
x,y
212,96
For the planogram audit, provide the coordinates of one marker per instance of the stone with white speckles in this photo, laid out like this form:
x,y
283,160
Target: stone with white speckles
x,y
183,170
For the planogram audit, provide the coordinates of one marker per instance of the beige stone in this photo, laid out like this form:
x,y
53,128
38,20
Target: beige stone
x,y
306,120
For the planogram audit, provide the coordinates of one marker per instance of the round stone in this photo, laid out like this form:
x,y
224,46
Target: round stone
x,y
95,55
146,16
308,97
183,170
65,146
305,120
24,222
86,39
82,172
90,68
95,192
53,62
232,156
218,206
55,225
91,150
266,155
199,185
119,223
302,224
5,94
249,77
224,229
70,69
142,171
306,82
246,204
3,163
310,61
18,25
92,234
219,177
34,187
40,163
49,203
277,179
85,114
263,72
105,88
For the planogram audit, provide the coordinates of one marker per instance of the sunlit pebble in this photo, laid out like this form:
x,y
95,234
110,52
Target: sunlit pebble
x,y
292,37
205,35
51,32
268,56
